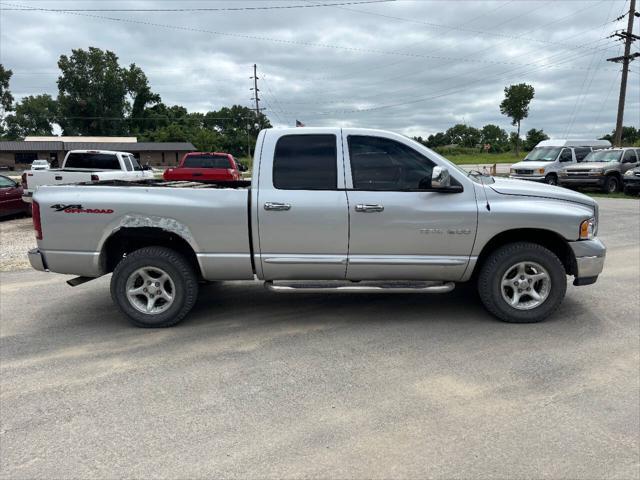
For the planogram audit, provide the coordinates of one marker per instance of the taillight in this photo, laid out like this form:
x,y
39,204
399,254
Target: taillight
x,y
95,178
24,180
35,215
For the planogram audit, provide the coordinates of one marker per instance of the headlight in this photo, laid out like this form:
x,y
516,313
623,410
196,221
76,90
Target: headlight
x,y
588,229
562,173
596,170
628,173
512,170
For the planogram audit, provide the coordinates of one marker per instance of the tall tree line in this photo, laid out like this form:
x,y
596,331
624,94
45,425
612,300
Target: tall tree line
x,y
99,96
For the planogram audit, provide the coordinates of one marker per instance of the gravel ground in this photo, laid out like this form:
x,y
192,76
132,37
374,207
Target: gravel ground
x,y
255,384
16,237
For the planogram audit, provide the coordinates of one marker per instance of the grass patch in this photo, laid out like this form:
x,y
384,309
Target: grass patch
x,y
610,195
480,158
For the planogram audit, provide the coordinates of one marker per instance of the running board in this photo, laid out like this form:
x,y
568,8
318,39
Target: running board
x,y
74,282
360,287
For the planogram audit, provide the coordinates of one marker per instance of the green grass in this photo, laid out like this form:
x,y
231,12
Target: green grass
x,y
610,195
478,158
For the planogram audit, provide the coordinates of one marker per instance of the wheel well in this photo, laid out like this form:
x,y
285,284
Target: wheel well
x,y
546,238
127,240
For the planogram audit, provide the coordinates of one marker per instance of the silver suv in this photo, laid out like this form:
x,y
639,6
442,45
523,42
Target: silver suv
x,y
603,169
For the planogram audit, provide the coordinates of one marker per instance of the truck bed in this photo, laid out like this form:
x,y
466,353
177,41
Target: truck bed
x,y
212,217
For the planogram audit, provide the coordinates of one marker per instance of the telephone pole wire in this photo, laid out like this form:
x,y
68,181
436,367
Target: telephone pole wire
x,y
628,37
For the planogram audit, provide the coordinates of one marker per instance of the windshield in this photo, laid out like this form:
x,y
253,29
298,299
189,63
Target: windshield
x,y
6,182
134,162
603,156
543,154
207,161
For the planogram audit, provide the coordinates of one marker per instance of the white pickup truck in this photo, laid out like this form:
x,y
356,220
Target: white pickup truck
x,y
81,166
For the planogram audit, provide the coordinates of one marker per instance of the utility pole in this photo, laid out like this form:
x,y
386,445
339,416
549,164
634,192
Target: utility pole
x,y
255,89
628,38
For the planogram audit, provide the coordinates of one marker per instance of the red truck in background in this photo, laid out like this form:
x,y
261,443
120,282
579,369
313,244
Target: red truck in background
x,y
206,166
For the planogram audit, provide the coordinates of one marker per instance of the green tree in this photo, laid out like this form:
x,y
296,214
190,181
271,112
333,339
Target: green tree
x,y
534,137
495,136
6,99
238,127
96,96
34,115
630,136
463,135
141,97
516,105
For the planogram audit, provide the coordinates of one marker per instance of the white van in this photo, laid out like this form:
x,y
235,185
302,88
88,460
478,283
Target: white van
x,y
550,156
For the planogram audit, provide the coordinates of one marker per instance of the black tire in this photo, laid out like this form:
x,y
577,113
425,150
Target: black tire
x,y
497,265
551,179
181,273
611,184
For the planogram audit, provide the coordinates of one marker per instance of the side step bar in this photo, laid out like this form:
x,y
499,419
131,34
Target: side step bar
x,y
363,287
74,282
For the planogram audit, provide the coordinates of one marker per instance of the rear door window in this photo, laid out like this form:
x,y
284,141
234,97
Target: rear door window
x,y
93,161
306,162
207,161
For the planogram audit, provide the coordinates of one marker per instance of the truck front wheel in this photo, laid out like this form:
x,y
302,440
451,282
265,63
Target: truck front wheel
x,y
522,282
154,286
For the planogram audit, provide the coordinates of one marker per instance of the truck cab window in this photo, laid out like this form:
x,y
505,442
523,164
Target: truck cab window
x,y
382,164
306,162
94,161
127,163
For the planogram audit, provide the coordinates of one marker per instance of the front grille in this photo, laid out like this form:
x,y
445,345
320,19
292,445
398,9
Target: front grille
x,y
578,173
522,171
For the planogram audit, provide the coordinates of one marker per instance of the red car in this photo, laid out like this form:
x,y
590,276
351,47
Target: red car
x,y
201,166
11,198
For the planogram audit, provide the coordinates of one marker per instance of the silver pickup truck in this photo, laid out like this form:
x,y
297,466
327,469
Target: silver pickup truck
x,y
327,210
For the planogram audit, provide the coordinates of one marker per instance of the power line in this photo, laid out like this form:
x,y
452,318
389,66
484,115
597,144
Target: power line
x,y
207,9
260,38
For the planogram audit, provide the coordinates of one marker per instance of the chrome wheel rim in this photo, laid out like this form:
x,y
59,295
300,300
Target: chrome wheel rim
x,y
150,290
525,285
613,185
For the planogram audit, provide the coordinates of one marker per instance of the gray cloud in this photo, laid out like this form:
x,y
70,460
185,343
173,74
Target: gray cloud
x,y
411,66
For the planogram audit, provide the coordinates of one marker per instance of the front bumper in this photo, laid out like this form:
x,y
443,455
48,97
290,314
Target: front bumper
x,y
583,181
590,255
532,178
36,259
631,183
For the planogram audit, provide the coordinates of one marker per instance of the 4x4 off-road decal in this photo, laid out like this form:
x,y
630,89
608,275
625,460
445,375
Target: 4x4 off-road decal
x,y
78,209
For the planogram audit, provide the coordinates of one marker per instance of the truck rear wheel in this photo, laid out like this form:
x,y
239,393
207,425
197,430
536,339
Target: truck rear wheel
x,y
522,283
155,287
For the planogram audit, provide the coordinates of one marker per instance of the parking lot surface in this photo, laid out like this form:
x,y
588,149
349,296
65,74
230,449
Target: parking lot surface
x,y
260,385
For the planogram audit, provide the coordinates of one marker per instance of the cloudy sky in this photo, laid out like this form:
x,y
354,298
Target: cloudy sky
x,y
413,66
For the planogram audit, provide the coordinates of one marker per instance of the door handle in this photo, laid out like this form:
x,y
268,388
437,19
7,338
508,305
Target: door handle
x,y
369,208
197,174
58,177
277,206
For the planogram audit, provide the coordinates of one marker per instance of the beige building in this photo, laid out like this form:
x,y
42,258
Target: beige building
x,y
18,155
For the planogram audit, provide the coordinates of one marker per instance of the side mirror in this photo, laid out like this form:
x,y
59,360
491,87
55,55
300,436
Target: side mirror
x,y
440,178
